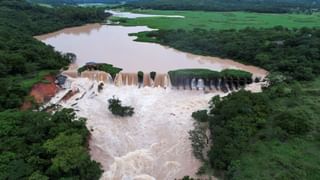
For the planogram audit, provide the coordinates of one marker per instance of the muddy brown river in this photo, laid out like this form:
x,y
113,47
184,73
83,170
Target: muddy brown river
x,y
153,143
112,44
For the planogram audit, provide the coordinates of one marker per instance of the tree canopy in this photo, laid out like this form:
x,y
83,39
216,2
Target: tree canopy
x,y
294,53
21,56
37,145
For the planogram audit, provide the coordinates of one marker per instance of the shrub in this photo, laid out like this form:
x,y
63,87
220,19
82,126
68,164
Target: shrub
x,y
198,141
140,76
108,68
293,122
117,109
153,75
201,116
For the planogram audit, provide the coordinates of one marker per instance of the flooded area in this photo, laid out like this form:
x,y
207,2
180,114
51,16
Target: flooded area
x,y
153,143
112,44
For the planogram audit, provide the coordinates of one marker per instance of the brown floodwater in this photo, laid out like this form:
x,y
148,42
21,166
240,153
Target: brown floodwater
x,y
112,44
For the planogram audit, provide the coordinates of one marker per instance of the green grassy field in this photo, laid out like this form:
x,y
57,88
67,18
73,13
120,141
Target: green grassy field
x,y
222,20
28,80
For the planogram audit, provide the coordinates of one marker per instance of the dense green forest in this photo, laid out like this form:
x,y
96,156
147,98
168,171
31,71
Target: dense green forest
x,y
275,6
38,145
21,56
269,135
60,2
293,53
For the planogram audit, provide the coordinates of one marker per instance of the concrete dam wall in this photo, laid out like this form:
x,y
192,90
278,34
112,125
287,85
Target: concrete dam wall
x,y
140,79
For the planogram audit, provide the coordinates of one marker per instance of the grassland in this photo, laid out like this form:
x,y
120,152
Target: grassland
x,y
28,80
222,20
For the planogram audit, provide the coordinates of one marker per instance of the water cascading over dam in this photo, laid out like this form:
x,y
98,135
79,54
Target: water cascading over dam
x,y
224,84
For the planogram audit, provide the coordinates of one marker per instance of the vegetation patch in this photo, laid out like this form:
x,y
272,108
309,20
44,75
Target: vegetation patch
x,y
24,61
117,109
108,68
272,134
221,20
292,53
38,145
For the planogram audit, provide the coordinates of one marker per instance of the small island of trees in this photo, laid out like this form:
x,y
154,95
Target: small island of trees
x,y
116,108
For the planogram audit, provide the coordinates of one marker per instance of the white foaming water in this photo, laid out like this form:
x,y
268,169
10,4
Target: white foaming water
x,y
153,143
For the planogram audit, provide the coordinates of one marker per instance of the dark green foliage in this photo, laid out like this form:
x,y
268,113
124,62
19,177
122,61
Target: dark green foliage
x,y
153,75
117,109
269,135
293,53
234,121
201,116
21,56
194,73
74,2
11,94
108,68
198,140
38,145
113,71
234,73
293,122
140,76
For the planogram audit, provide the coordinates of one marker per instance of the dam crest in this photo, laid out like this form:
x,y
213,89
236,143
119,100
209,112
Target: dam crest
x,y
165,80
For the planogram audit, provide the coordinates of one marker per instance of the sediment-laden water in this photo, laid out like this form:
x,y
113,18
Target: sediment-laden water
x,y
154,142
113,45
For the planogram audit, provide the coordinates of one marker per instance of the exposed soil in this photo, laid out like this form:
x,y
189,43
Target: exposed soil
x,y
42,92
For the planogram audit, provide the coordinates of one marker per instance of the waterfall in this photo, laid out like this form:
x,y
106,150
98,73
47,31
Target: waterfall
x,y
118,80
73,74
146,80
200,84
167,81
160,80
193,84
230,84
128,79
236,83
224,84
99,76
187,84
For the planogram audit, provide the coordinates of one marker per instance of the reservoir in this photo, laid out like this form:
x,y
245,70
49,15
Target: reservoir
x,y
113,45
154,143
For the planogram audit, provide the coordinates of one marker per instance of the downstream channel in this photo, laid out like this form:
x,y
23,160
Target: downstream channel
x,y
153,143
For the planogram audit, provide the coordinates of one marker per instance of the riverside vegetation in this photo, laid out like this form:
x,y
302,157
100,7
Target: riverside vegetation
x,y
115,106
108,68
269,135
270,6
38,145
220,20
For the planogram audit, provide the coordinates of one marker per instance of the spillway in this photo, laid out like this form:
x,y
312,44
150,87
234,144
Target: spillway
x,y
153,143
